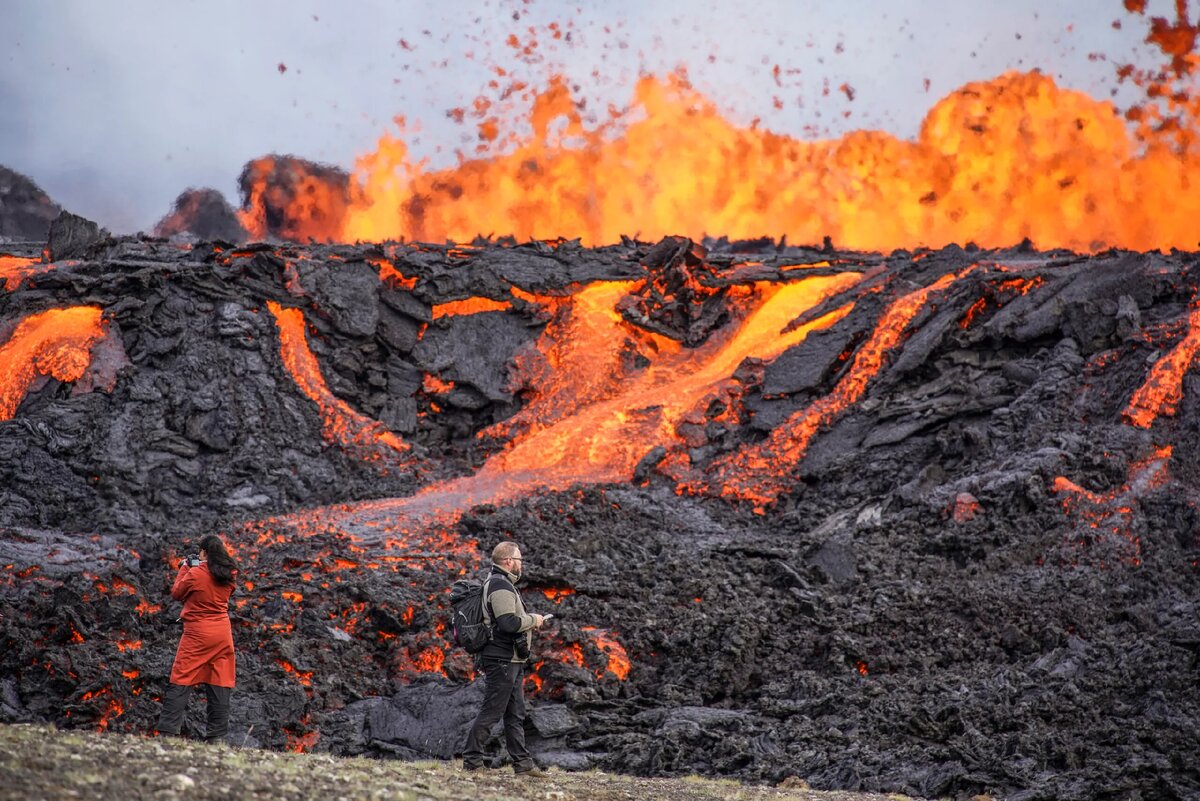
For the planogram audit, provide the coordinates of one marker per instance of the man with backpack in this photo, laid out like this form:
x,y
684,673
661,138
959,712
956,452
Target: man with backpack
x,y
503,660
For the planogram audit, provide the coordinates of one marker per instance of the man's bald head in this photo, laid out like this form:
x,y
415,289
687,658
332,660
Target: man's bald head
x,y
507,556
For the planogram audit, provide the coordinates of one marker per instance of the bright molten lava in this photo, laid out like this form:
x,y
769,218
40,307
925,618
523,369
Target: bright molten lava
x,y
995,162
340,423
56,343
1163,388
594,419
757,472
13,270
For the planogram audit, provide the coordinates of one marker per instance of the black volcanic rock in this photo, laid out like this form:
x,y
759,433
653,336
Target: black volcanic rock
x,y
73,237
980,577
680,298
25,210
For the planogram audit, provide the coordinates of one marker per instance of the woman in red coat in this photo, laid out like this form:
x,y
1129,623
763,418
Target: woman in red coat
x,y
205,655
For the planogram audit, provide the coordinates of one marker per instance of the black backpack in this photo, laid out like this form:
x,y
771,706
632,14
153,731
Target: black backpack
x,y
471,621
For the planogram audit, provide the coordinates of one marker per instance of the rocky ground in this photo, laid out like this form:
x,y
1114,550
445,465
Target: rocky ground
x,y
978,575
42,762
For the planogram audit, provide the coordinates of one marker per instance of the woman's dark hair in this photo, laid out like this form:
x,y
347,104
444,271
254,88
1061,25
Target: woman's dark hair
x,y
220,564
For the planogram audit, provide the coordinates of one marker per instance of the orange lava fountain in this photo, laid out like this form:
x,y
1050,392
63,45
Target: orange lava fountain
x,y
995,162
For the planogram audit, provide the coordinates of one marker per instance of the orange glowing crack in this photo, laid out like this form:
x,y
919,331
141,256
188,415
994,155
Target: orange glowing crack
x,y
1112,512
758,472
56,343
433,385
469,306
1019,286
618,660
302,676
1163,388
556,594
358,433
302,743
388,274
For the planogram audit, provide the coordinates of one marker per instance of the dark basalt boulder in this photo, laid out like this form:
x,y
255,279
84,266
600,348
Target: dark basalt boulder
x,y
73,237
25,210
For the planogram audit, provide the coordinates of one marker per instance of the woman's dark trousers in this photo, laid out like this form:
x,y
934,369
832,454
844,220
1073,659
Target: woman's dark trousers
x,y
174,705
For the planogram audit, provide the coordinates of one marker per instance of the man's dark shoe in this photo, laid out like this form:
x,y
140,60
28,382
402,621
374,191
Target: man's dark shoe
x,y
472,766
532,773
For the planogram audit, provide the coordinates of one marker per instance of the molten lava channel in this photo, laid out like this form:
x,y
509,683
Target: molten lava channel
x,y
759,472
1163,389
357,433
594,417
56,343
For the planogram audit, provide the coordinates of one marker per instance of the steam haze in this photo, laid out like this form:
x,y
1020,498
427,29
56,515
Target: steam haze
x,y
115,108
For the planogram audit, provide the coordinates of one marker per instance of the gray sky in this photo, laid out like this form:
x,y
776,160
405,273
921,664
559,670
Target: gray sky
x,y
116,106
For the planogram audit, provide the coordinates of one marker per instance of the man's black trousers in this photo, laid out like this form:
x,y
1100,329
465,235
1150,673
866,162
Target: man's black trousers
x,y
174,704
503,695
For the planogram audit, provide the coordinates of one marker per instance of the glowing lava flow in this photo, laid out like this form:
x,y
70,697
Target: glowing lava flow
x,y
469,306
367,438
995,162
56,343
13,270
566,442
1163,388
756,473
597,420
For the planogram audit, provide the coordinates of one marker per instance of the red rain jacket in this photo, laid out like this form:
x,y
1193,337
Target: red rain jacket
x,y
205,654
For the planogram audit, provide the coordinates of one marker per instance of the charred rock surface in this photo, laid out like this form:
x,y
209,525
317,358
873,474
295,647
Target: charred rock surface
x,y
681,297
74,237
977,576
